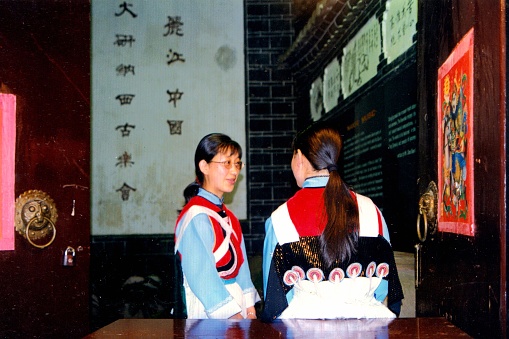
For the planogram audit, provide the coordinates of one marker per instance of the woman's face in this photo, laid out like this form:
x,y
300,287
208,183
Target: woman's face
x,y
218,179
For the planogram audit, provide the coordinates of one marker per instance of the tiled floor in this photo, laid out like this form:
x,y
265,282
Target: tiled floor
x,y
406,269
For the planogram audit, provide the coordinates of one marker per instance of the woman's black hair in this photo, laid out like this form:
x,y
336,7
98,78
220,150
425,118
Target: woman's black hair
x,y
321,145
208,147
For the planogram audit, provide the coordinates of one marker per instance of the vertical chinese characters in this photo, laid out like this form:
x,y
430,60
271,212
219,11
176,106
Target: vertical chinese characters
x,y
125,40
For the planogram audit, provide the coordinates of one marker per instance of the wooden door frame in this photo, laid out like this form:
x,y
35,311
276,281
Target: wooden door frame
x,y
45,53
441,26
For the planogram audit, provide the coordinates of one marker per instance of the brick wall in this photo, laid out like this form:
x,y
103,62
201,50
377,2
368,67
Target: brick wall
x,y
270,101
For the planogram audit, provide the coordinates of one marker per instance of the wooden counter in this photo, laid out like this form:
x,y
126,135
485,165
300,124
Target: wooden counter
x,y
295,328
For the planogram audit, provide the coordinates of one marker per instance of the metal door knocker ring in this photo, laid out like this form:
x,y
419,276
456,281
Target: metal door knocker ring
x,y
50,227
428,210
419,235
36,216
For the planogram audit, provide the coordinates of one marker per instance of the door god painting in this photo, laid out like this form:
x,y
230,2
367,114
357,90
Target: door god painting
x,y
455,140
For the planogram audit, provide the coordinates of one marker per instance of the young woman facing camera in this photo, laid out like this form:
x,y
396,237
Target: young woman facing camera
x,y
209,240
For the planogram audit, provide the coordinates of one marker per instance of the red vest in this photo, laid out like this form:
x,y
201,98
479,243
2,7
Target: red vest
x,y
309,218
233,259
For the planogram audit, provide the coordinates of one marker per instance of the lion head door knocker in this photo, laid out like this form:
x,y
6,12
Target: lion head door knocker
x,y
36,216
428,210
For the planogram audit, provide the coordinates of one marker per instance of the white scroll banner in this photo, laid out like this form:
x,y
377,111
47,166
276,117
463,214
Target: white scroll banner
x,y
398,27
331,85
361,57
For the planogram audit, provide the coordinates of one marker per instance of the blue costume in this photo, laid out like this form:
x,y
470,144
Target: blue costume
x,y
209,240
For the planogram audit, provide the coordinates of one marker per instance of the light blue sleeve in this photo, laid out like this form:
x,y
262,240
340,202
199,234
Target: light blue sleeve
x,y
245,282
382,290
268,249
199,266
269,245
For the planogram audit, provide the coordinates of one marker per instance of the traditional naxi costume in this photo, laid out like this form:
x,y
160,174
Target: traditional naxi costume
x,y
217,280
298,283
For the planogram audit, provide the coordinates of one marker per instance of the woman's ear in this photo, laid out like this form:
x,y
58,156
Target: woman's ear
x,y
302,162
204,166
298,157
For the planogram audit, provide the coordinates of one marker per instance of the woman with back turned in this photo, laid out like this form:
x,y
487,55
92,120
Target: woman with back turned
x,y
327,253
209,240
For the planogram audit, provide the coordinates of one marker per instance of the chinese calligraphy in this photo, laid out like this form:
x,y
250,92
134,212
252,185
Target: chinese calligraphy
x,y
174,57
124,69
175,126
125,190
125,130
124,40
361,57
401,20
174,26
174,96
125,99
124,160
124,6
162,73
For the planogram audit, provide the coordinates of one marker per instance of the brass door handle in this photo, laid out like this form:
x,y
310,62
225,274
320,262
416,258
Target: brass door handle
x,y
422,236
36,216
428,211
50,227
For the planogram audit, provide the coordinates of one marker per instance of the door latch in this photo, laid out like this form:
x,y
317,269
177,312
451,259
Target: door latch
x,y
428,210
35,218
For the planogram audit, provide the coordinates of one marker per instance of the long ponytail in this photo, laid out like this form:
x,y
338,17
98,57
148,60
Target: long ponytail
x,y
339,238
321,145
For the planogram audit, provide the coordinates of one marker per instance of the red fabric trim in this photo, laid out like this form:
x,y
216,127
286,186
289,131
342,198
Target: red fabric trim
x,y
236,239
307,217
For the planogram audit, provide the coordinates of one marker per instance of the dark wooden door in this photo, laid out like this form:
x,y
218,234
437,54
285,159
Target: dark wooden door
x,y
462,277
44,61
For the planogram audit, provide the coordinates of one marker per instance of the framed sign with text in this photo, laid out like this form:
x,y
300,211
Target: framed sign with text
x,y
164,75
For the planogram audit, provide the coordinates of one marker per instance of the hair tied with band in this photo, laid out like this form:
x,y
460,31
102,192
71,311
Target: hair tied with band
x,y
332,167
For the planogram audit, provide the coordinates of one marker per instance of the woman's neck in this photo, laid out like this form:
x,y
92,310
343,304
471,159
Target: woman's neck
x,y
320,173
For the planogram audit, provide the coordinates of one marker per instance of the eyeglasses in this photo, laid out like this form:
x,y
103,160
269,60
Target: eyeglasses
x,y
228,164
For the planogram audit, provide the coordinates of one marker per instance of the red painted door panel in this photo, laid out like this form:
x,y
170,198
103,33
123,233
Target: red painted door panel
x,y
463,277
44,61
